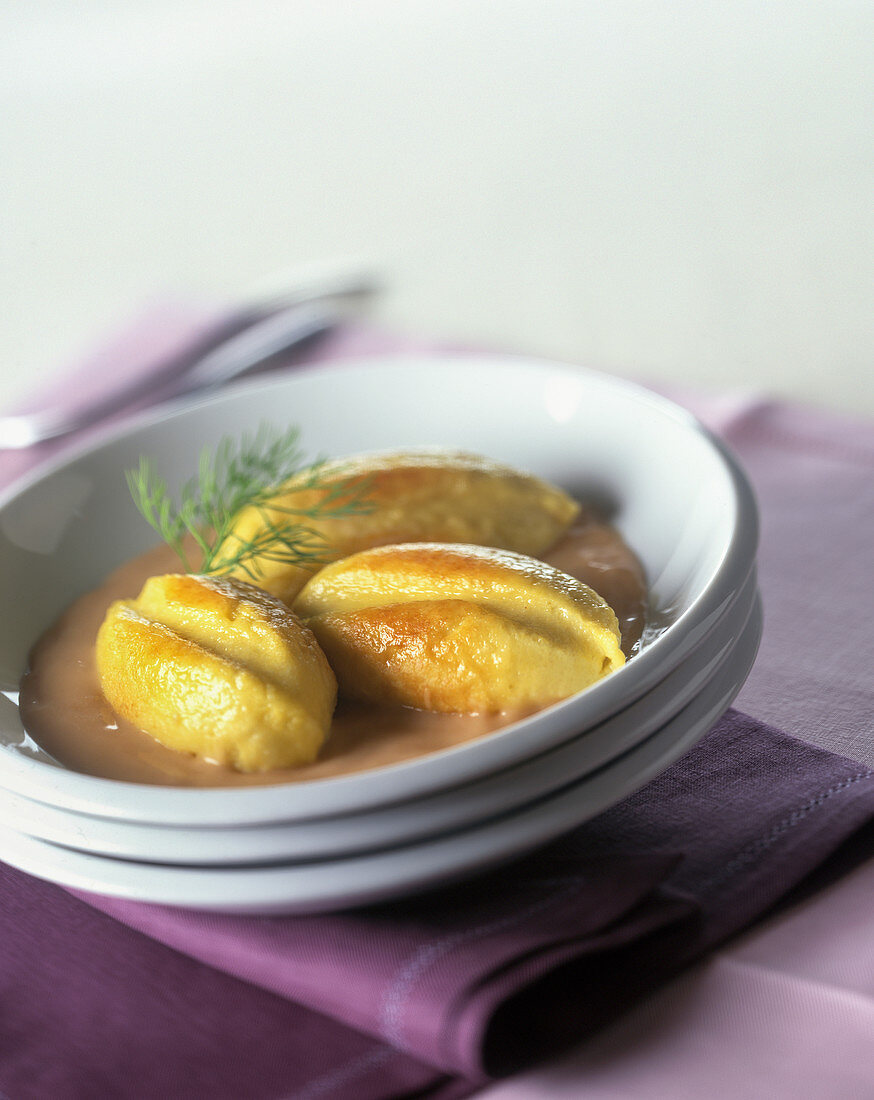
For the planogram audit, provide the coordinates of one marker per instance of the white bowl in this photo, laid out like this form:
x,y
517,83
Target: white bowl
x,y
400,823
678,497
378,876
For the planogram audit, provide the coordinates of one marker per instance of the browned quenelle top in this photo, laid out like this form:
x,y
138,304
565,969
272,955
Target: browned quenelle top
x,y
64,710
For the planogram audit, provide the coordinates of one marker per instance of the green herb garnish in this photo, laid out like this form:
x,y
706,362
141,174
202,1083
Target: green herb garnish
x,y
235,476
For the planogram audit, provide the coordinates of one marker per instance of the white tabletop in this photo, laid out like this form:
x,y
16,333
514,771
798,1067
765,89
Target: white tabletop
x,y
680,192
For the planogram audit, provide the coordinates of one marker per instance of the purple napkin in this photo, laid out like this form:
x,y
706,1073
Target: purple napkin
x,y
485,976
428,996
431,996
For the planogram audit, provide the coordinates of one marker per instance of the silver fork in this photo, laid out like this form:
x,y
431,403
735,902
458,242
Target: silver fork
x,y
255,334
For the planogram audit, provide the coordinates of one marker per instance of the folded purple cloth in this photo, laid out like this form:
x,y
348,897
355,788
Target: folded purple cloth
x,y
431,996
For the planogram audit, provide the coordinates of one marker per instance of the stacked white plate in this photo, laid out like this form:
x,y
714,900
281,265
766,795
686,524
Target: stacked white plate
x,y
677,497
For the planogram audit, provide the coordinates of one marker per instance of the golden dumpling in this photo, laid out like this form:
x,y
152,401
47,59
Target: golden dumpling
x,y
427,496
218,668
458,628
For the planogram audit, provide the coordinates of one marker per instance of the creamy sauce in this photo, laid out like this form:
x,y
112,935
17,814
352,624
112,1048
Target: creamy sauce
x,y
64,711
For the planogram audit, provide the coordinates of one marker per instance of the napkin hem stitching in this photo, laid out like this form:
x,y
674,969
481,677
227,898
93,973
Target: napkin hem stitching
x,y
344,1074
762,843
395,999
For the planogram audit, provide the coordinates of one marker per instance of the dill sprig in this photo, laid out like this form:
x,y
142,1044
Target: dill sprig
x,y
234,476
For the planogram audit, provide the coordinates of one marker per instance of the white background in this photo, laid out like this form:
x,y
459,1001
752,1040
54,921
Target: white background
x,y
675,191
